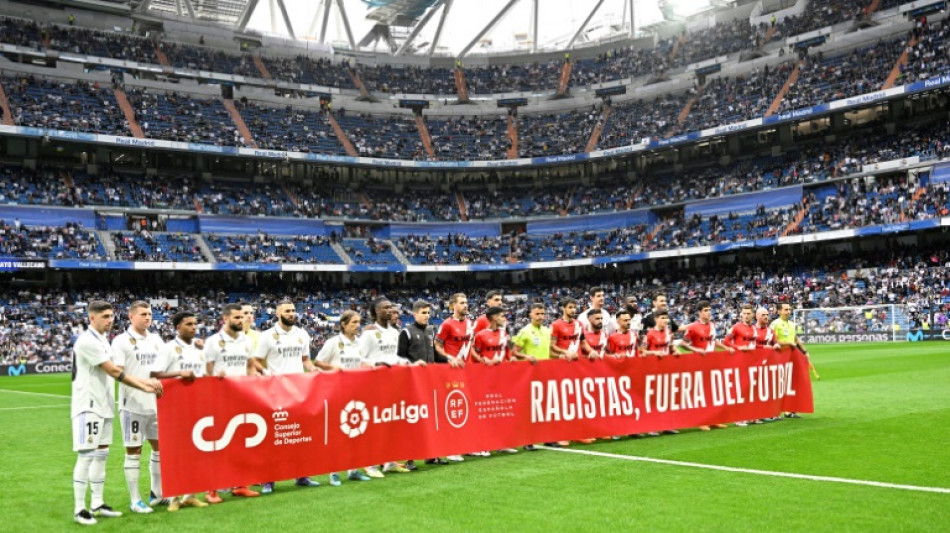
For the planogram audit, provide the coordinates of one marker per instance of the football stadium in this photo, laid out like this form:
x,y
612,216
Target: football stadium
x,y
508,265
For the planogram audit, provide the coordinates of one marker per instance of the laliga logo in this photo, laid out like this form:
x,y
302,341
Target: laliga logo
x,y
238,420
354,418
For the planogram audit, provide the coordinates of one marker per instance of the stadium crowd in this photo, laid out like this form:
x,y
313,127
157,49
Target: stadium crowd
x,y
910,275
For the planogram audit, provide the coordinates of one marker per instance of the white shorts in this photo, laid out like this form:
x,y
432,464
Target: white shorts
x,y
91,431
137,428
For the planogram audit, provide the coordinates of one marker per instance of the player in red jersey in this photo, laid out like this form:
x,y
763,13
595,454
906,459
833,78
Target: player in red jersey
x,y
454,339
567,337
623,343
492,299
700,337
596,335
764,334
658,340
742,335
491,346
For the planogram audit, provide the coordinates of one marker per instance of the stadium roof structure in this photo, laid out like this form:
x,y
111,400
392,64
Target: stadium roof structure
x,y
453,28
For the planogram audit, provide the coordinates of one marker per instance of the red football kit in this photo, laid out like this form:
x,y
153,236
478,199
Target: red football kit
x,y
624,344
567,335
659,341
597,341
489,344
741,336
456,336
481,323
702,336
764,337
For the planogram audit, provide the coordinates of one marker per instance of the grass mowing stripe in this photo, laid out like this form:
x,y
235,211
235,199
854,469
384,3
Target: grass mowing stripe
x,y
941,490
35,393
34,407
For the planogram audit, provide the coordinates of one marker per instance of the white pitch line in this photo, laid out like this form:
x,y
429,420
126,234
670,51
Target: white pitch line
x,y
939,490
34,407
35,393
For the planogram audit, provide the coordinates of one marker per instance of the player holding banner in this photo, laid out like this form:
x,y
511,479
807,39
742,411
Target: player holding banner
x,y
135,351
567,334
596,334
623,343
700,337
454,339
92,410
180,358
567,340
228,353
285,349
341,352
764,334
491,346
742,335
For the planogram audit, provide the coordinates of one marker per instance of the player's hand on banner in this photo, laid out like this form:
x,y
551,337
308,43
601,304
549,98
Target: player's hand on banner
x,y
187,376
419,363
154,386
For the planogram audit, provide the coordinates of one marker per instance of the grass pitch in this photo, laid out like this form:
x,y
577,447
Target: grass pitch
x,y
882,415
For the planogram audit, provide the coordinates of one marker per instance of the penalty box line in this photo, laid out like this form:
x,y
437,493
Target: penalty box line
x,y
830,479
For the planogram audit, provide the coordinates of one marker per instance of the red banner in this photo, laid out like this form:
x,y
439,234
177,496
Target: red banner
x,y
238,431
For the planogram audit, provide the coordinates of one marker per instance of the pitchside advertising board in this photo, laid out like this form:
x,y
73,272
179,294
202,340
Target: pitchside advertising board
x,y
22,369
236,431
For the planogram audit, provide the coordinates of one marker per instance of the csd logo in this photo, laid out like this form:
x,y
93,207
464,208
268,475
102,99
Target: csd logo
x,y
197,433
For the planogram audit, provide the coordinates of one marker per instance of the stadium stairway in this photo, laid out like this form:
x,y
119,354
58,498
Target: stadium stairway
x,y
355,76
338,248
341,135
7,115
899,64
565,78
777,102
676,47
397,253
513,137
205,249
106,239
799,216
162,58
463,209
908,214
129,113
239,123
769,34
259,63
67,178
424,135
198,207
292,196
461,87
598,129
681,118
872,7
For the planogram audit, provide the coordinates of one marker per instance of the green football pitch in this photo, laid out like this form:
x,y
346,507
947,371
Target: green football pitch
x,y
873,457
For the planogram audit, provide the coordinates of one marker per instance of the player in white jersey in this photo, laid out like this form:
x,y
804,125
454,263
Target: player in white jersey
x,y
228,353
609,326
180,358
285,349
379,344
92,412
135,351
379,341
341,352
